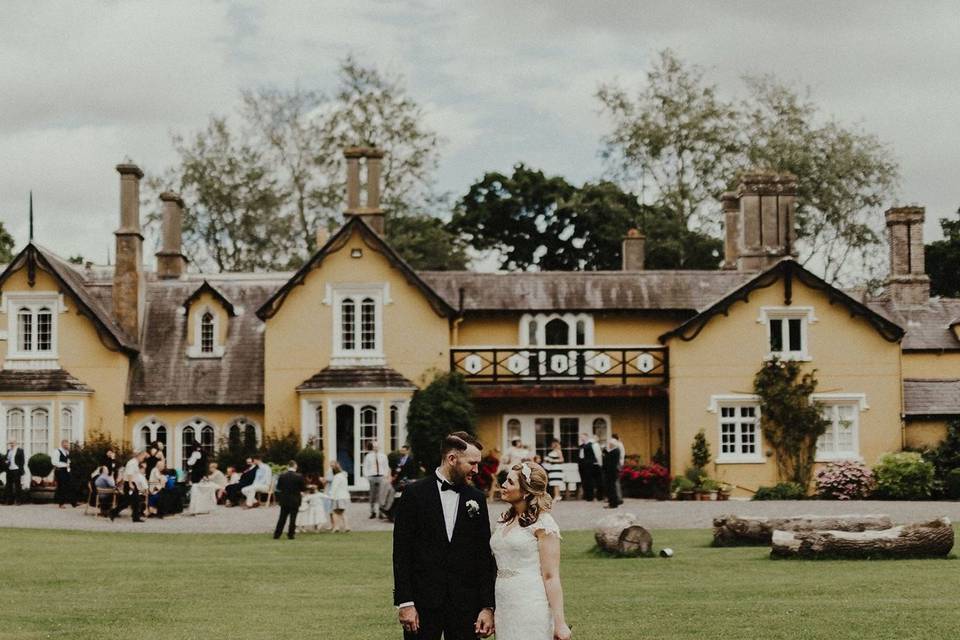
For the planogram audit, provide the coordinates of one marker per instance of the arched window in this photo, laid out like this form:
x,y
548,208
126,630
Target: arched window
x,y
557,332
207,337
318,426
39,431
394,427
600,429
25,329
161,435
208,441
66,424
243,434
187,437
348,315
581,333
15,425
44,329
146,437
368,324
368,427
532,333
513,430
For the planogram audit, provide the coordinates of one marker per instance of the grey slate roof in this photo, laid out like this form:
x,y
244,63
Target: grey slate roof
x,y
163,375
584,290
356,378
923,397
927,326
42,380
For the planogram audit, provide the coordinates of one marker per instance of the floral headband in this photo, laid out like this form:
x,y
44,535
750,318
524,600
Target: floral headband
x,y
526,471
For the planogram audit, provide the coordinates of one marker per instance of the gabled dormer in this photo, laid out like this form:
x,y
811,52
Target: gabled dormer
x,y
208,322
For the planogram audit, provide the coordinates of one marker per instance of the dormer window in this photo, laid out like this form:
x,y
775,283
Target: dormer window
x,y
35,330
208,317
207,335
32,326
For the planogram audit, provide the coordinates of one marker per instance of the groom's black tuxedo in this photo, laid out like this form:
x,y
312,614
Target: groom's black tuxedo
x,y
438,575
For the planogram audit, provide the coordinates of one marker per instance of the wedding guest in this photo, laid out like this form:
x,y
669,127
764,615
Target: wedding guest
x,y
104,481
553,464
110,462
612,464
406,468
261,483
61,472
375,468
246,477
312,513
339,493
514,455
217,477
15,466
290,488
134,486
588,460
152,458
157,482
196,464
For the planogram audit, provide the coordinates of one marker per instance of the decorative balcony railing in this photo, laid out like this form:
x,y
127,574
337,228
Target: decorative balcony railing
x,y
531,365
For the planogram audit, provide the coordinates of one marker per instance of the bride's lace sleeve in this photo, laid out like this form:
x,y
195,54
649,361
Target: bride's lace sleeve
x,y
547,524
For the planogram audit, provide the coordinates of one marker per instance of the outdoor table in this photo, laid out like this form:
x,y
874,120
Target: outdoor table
x,y
203,498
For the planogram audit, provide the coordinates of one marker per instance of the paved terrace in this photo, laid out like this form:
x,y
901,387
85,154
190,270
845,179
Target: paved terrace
x,y
571,514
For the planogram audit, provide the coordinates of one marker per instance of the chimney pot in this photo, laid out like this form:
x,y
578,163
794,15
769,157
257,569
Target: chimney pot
x,y
909,284
171,263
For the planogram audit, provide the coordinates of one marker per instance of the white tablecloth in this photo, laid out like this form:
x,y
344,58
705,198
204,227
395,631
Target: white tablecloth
x,y
203,498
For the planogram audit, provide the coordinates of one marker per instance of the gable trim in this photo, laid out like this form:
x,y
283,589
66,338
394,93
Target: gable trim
x,y
206,287
785,271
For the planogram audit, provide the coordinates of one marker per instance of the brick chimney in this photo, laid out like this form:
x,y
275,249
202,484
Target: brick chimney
x,y
632,254
765,233
909,284
128,281
731,229
371,212
171,263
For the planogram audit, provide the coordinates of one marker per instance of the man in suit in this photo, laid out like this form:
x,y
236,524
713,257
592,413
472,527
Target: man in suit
x,y
234,491
443,570
290,488
61,472
15,465
612,464
588,463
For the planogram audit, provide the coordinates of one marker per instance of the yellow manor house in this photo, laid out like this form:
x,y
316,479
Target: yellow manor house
x,y
336,350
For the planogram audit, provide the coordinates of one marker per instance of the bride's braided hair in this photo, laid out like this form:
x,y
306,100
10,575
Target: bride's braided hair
x,y
533,485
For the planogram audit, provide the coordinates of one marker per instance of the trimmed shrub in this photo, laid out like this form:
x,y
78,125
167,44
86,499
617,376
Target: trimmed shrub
x,y
781,491
40,465
280,448
845,480
442,407
310,463
946,457
904,476
700,450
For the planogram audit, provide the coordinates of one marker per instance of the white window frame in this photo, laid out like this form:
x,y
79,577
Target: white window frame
x,y
541,320
153,424
330,414
27,440
237,421
401,406
195,350
829,401
804,314
357,356
76,409
32,359
528,426
197,422
737,401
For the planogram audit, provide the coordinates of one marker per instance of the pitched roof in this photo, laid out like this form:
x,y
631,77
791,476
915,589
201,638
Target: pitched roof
x,y
923,397
163,374
928,326
206,287
40,380
33,256
688,291
785,270
356,378
373,240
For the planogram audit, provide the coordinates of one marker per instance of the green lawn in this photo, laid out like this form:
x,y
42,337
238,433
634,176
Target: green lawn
x,y
83,585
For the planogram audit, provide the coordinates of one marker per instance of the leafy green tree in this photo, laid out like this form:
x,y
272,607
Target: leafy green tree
x,y
76,259
684,144
6,245
426,243
943,260
440,408
533,221
259,184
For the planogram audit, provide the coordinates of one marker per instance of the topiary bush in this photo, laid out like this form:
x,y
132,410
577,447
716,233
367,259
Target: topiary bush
x,y
781,491
280,448
310,463
442,407
904,476
847,480
40,465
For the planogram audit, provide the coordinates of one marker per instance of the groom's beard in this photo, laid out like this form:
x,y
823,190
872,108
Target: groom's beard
x,y
458,478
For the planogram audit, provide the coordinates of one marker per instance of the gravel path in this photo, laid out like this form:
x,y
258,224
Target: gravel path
x,y
571,514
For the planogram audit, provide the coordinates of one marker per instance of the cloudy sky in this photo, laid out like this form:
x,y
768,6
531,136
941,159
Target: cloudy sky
x,y
85,85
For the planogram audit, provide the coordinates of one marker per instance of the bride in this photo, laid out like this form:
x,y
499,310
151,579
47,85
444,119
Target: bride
x,y
526,543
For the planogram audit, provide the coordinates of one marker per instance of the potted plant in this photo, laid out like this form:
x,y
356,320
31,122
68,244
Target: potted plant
x,y
708,489
683,488
723,493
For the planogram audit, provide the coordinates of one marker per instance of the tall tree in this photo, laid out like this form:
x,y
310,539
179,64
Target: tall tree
x,y
942,258
689,144
6,245
532,221
290,143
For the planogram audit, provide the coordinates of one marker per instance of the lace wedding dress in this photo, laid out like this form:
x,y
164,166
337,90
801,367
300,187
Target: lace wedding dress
x,y
522,612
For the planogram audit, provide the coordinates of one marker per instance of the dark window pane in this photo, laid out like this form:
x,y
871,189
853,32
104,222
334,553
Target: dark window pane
x,y
543,428
776,335
795,336
557,332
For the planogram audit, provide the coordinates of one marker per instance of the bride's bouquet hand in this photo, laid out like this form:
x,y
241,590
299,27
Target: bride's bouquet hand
x,y
562,632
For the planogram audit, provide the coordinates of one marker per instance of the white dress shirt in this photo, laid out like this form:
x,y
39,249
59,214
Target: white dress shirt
x,y
12,459
59,462
375,463
450,501
131,469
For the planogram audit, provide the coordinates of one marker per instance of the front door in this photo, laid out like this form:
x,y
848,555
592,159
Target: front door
x,y
346,441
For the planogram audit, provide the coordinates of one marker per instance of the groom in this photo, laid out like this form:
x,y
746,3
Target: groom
x,y
443,570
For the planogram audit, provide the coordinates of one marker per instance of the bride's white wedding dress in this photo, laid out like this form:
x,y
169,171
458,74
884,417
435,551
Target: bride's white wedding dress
x,y
522,612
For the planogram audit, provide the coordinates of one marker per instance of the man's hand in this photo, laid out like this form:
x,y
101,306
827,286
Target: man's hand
x,y
409,619
484,625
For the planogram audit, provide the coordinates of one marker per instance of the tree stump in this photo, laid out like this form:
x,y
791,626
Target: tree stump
x,y
733,531
920,540
621,535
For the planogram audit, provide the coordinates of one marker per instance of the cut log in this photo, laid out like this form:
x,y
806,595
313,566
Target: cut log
x,y
733,531
620,534
920,540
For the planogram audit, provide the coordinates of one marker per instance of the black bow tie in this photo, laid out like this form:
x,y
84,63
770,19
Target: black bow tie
x,y
447,486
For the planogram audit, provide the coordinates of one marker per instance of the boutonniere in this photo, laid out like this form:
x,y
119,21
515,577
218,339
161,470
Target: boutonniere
x,y
473,509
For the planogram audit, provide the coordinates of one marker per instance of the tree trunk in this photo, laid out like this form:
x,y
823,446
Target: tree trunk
x,y
921,540
733,531
620,534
